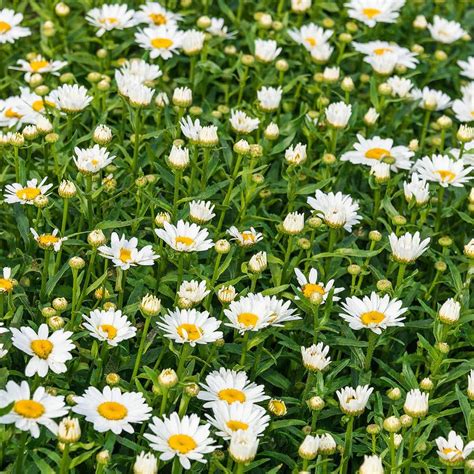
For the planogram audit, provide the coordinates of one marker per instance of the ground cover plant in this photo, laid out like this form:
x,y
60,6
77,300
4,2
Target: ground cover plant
x,y
236,236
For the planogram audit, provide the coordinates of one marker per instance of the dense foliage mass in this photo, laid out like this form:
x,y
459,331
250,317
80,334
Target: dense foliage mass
x,y
237,236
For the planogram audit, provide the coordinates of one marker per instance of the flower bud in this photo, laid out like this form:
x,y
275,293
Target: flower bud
x,y
277,407
315,403
168,378
258,262
222,246
67,189
150,305
77,263
56,322
69,430
392,424
161,218
226,294
112,379
394,393
103,457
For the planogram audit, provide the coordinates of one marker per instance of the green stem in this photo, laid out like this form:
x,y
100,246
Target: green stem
x,y
315,324
164,400
411,446
64,467
205,164
393,457
401,274
136,143
424,130
244,348
177,178
440,208
45,273
90,215
370,349
21,453
177,468
347,446
141,348
185,352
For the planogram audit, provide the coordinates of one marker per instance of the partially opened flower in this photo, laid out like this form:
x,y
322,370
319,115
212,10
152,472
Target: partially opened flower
x,y
451,450
92,160
310,285
445,31
408,247
353,401
315,357
71,98
266,51
444,170
48,241
246,238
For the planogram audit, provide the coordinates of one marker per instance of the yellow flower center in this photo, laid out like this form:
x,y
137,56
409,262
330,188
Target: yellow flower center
x,y
161,43
372,317
310,288
189,331
110,330
112,410
28,194
381,51
248,236
371,12
446,175
108,21
377,153
10,113
231,395
5,285
125,255
42,348
4,27
235,425
182,443
448,451
38,105
182,239
279,407
47,240
311,41
37,65
157,18
247,319
28,408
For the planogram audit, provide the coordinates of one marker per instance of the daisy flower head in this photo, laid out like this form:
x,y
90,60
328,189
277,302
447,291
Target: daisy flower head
x,y
376,149
408,247
301,6
378,49
183,437
445,31
48,352
338,114
451,450
417,189
162,41
193,292
431,99
383,64
246,238
249,313
10,29
315,357
444,170
125,254
242,123
92,160
238,416
14,112
48,241
321,54
371,465
190,129
109,325
416,403
154,14
464,108
337,210
7,284
353,401
373,312
266,51
296,155
138,70
193,42
243,446
185,237
111,17
230,386
112,410
201,212
371,12
190,326
30,412
467,67
269,98
280,310
16,193
35,106
401,86
311,36
310,286
71,98
39,65
145,463
218,28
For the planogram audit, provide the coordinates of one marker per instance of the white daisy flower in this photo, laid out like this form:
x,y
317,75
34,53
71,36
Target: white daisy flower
x,y
470,385
193,291
111,17
10,29
416,403
309,286
193,42
321,54
249,313
280,310
145,463
372,150
266,51
315,357
354,401
48,241
467,67
190,326
337,210
444,170
401,86
230,386
311,36
269,98
201,212
183,437
404,57
371,465
445,31
451,450
300,6
139,71
14,112
371,12
218,28
35,106
296,155
109,325
467,155
185,237
246,238
190,129
92,160
242,123
417,189
71,99
154,14
38,65
112,410
338,114
6,286
48,352
407,248
29,413
375,312
431,99
464,109
16,193
238,416
162,41
125,254
243,446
